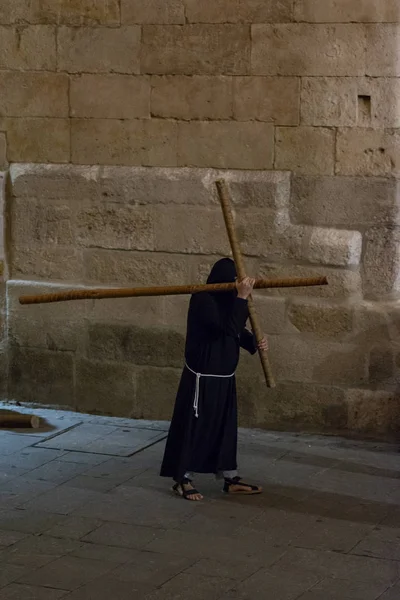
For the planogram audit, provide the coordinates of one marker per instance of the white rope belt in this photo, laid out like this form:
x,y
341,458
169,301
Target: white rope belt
x,y
197,391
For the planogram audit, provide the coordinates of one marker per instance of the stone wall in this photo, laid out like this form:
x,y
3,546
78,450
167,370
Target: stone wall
x,y
139,105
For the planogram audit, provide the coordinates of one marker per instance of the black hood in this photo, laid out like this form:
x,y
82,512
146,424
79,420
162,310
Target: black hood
x,y
224,271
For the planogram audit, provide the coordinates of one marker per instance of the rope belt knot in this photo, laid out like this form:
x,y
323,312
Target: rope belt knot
x,y
197,389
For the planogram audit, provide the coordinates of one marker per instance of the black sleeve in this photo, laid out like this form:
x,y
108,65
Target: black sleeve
x,y
207,313
248,341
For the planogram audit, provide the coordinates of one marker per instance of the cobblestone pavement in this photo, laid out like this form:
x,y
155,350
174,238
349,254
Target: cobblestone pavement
x,y
84,515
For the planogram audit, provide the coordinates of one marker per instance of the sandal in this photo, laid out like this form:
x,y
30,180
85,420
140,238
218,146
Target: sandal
x,y
251,489
186,494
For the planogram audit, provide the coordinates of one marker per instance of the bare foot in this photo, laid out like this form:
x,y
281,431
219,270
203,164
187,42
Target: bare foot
x,y
237,486
187,491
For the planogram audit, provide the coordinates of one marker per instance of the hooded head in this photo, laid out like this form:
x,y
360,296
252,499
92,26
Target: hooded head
x,y
224,271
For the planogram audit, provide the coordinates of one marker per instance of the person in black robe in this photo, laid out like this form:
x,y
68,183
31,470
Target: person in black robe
x,y
203,433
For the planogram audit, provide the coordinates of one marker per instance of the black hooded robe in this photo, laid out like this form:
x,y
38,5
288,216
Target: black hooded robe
x,y
207,443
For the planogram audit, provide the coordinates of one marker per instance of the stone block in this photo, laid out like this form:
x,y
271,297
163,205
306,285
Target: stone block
x,y
381,261
125,343
226,144
99,50
51,263
309,150
336,247
110,97
385,106
342,11
381,366
38,140
310,361
144,312
368,152
135,268
371,324
175,309
238,11
156,392
295,49
34,94
329,101
153,12
271,313
372,411
299,405
197,97
190,231
41,376
343,201
34,223
3,151
111,142
55,181
342,283
321,319
382,54
157,186
64,12
195,50
110,225
29,48
259,236
265,190
104,388
273,99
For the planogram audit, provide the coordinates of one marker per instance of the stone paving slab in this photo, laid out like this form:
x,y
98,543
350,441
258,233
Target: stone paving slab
x,y
82,525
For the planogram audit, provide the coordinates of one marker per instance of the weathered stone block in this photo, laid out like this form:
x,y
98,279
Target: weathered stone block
x,y
371,323
34,94
28,48
3,151
329,101
324,320
38,140
99,50
271,313
104,388
382,57
175,310
372,411
198,97
36,223
267,190
54,181
107,141
144,312
155,394
84,12
336,247
195,49
381,366
259,236
236,11
308,150
299,406
51,326
110,225
381,272
125,343
226,144
385,106
153,11
135,269
295,49
190,230
343,201
329,363
342,11
110,97
59,263
267,99
368,152
157,186
341,283
41,376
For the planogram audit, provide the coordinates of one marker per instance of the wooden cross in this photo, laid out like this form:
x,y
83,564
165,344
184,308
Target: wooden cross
x,y
97,294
